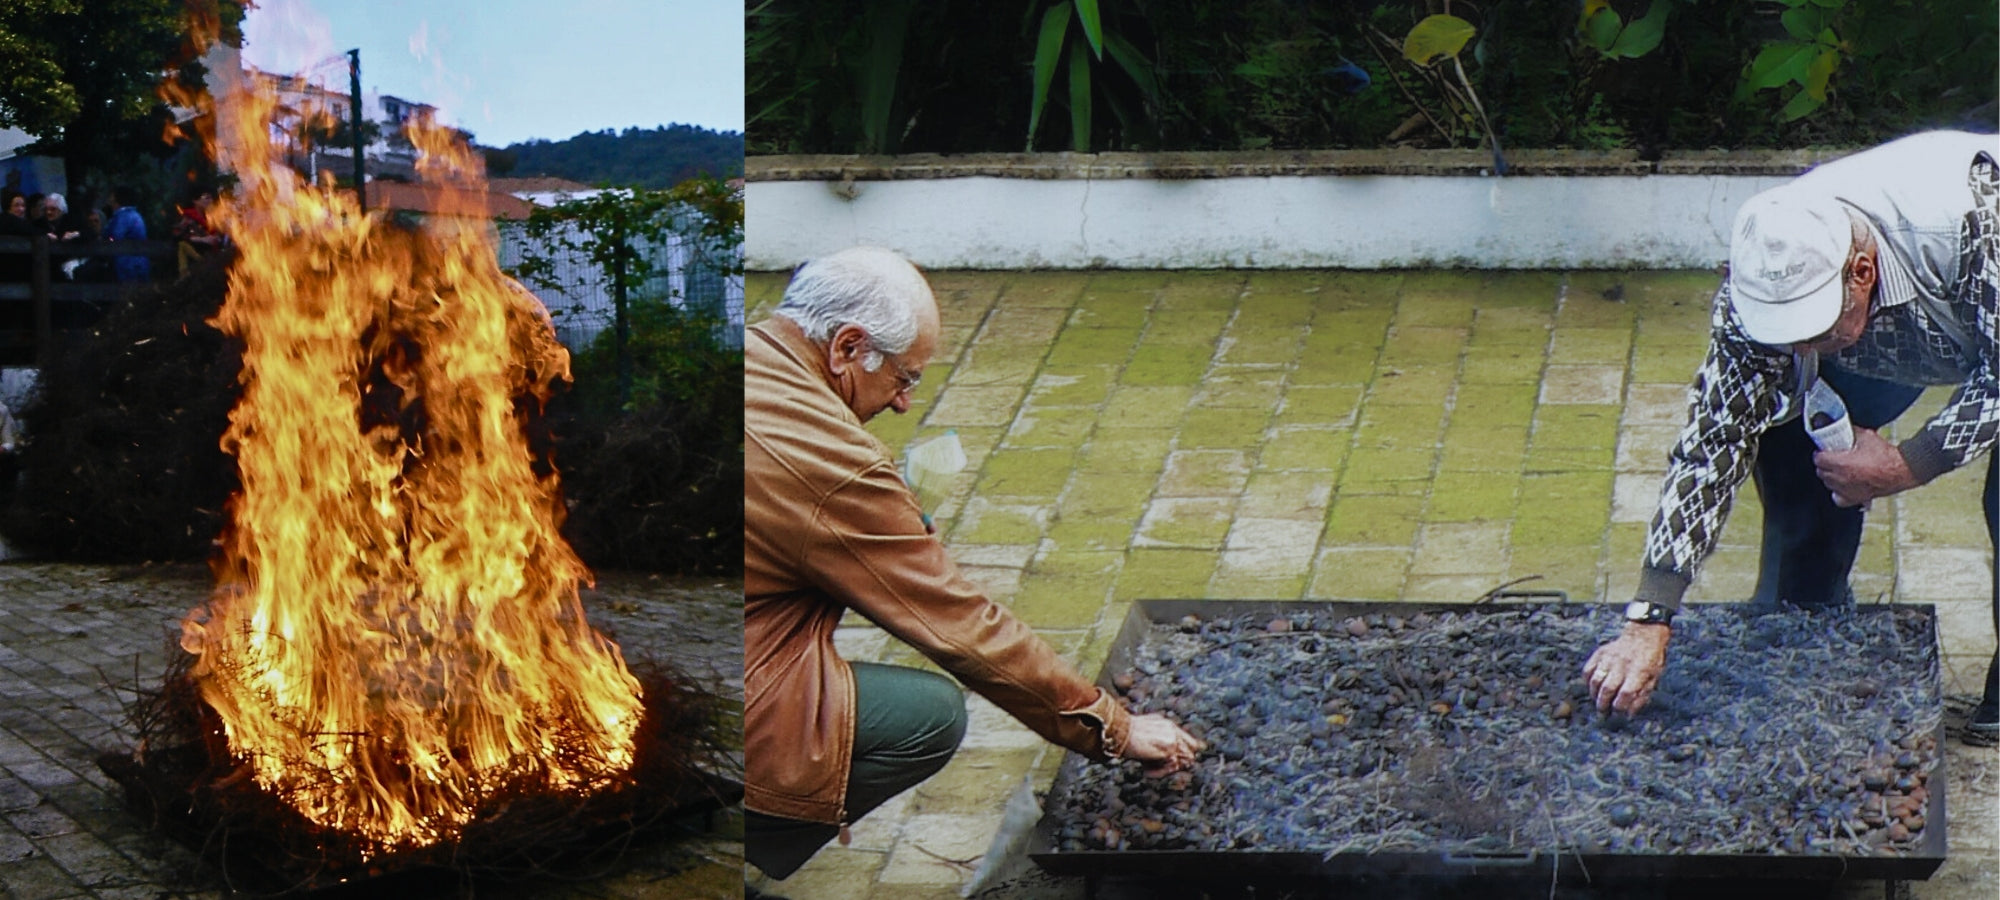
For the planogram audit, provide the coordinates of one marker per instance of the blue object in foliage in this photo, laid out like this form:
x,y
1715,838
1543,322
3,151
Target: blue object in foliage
x,y
1351,79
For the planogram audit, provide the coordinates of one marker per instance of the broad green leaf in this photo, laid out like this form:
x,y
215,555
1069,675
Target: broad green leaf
x,y
1093,27
1591,8
1645,32
1055,23
1821,72
1437,36
1601,30
1801,105
1803,22
1135,65
888,24
1779,62
1829,4
1079,98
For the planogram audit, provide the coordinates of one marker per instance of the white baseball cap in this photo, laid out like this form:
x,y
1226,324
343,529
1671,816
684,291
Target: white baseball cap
x,y
1785,261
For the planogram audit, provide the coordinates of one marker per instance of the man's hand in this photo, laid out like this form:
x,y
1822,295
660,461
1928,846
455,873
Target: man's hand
x,y
1872,468
1162,745
1623,673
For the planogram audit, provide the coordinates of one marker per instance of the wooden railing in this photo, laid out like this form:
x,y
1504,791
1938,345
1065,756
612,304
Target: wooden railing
x,y
42,291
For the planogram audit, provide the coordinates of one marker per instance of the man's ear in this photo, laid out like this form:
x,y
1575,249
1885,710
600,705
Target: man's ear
x,y
846,348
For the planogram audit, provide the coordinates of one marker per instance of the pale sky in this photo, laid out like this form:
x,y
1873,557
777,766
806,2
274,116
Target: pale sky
x,y
510,70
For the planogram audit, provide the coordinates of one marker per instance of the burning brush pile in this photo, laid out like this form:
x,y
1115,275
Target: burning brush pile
x,y
394,671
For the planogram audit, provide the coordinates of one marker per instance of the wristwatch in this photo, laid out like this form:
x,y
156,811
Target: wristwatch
x,y
1645,612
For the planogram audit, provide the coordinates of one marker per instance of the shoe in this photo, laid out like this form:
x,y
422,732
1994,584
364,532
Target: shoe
x,y
1982,728
751,893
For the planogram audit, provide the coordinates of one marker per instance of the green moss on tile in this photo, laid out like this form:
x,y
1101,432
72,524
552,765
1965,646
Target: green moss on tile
x,y
1286,495
1151,573
1074,533
1587,302
1359,290
1233,585
1077,347
1359,573
1240,388
896,430
1502,364
1052,427
1145,406
1122,280
1124,310
977,778
1052,601
1198,522
1399,428
1472,497
1127,450
1073,386
1320,405
1334,364
1223,428
1322,449
1577,427
1412,385
985,522
1205,473
1512,327
1186,326
1166,364
1261,347
1201,291
1365,519
1414,346
1057,289
1519,289
1026,473
1606,346
990,364
1477,405
1375,471
1288,281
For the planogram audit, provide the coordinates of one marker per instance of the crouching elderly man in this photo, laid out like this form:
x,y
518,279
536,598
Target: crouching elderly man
x,y
829,526
1878,275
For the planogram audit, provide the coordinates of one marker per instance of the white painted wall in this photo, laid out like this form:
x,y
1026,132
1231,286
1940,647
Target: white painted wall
x,y
1338,221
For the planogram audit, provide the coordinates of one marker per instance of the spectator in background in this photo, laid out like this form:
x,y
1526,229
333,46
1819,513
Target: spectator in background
x,y
55,219
195,238
126,225
14,223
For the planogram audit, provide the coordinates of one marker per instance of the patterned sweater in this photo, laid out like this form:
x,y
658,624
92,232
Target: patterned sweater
x,y
1912,338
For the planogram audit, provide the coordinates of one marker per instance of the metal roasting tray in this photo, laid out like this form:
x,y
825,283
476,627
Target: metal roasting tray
x,y
1568,866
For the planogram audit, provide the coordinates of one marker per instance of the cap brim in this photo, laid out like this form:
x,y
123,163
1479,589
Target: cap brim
x,y
1798,319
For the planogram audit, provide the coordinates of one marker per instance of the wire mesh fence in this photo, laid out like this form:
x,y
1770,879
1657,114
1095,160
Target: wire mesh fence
x,y
690,273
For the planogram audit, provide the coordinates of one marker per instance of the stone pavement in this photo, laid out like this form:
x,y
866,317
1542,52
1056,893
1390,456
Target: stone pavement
x,y
74,638
1416,436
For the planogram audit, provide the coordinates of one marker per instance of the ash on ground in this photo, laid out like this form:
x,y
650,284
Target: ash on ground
x,y
1472,731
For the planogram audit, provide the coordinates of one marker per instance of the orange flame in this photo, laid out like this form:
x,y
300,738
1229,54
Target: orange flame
x,y
395,635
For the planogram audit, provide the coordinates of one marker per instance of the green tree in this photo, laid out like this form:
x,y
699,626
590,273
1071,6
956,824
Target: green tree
x,y
611,229
85,78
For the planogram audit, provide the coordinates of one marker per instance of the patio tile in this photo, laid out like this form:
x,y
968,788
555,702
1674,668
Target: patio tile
x,y
1163,573
1195,522
1583,384
1205,473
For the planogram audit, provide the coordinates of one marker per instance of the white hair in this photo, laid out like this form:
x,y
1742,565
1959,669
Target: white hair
x,y
56,201
868,287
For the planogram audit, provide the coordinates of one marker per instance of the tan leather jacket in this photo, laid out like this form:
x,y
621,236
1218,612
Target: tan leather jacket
x,y
829,526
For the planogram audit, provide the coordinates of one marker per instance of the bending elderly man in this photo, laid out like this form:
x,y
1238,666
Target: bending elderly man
x,y
830,527
1877,274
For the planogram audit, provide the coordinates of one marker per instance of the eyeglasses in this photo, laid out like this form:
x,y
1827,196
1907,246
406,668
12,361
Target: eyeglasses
x,y
906,380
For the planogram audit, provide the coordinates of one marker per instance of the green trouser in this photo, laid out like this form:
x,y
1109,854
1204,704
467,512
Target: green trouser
x,y
907,724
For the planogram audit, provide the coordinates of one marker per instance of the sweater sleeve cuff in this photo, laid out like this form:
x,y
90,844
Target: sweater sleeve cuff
x,y
1924,453
1661,586
1112,726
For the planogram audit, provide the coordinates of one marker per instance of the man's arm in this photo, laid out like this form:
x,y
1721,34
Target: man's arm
x,y
1736,396
1965,428
869,548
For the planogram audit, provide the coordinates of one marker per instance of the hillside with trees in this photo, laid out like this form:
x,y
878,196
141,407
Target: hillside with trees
x,y
658,157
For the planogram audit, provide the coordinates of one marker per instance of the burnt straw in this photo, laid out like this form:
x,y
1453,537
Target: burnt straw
x,y
1785,733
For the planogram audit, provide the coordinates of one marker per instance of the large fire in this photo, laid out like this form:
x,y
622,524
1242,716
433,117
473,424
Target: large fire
x,y
395,637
